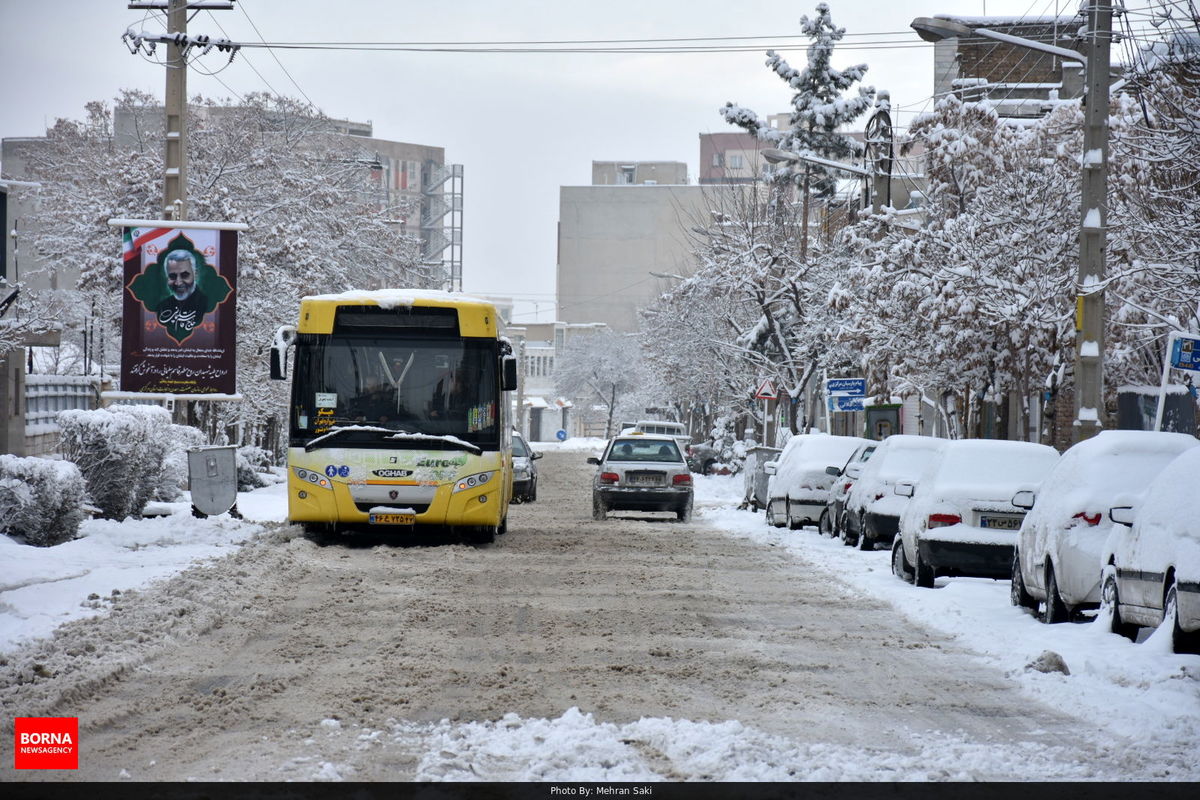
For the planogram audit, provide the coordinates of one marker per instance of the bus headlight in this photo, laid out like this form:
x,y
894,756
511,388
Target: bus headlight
x,y
315,478
471,481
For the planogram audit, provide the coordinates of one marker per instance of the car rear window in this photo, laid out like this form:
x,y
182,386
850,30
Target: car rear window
x,y
644,450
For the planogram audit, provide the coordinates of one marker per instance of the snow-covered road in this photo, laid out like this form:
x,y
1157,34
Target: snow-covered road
x,y
570,650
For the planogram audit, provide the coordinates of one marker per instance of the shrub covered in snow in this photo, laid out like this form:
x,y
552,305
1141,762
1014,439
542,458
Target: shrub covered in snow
x,y
252,462
121,451
41,501
174,477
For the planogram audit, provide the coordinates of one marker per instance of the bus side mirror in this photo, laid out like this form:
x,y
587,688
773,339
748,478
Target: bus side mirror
x,y
285,337
509,383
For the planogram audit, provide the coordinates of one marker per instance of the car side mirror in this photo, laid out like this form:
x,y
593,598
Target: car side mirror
x,y
535,455
834,471
593,460
905,489
769,467
1122,515
1024,499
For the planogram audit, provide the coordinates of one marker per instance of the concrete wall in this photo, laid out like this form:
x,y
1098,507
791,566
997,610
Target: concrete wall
x,y
624,173
611,238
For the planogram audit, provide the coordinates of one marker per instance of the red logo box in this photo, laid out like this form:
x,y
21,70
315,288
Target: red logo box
x,y
46,743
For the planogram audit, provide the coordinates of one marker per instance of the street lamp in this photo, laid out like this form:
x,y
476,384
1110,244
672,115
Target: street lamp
x,y
1089,300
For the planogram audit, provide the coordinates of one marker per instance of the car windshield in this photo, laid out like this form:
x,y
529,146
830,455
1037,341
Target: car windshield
x,y
519,448
644,450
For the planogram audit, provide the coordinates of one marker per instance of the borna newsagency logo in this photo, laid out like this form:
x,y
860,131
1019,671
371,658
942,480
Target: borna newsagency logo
x,y
46,743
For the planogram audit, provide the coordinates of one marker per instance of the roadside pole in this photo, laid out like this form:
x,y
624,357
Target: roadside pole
x,y
1089,310
175,102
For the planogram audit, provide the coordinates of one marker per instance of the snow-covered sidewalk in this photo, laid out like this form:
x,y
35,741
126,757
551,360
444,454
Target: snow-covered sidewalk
x,y
43,587
1142,691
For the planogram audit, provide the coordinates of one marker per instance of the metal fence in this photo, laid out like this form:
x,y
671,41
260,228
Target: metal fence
x,y
46,395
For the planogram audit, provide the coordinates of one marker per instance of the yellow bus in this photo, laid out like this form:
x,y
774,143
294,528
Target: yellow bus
x,y
399,415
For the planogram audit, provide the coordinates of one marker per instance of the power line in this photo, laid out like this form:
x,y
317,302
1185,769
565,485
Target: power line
x,y
242,6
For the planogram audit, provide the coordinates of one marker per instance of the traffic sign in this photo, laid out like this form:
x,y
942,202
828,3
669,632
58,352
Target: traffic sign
x,y
561,435
1185,354
846,387
766,391
840,402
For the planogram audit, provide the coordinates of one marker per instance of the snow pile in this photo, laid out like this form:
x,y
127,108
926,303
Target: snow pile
x,y
121,451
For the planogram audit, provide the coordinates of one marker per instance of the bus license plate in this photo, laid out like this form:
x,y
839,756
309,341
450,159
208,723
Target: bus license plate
x,y
393,519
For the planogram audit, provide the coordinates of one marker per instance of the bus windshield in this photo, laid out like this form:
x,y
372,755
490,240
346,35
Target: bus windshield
x,y
436,387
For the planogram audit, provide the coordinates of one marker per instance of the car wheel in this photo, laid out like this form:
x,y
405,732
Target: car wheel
x,y
923,572
900,566
792,524
848,538
866,539
825,523
599,509
1054,610
771,518
503,529
1110,606
529,498
685,511
1017,595
1182,641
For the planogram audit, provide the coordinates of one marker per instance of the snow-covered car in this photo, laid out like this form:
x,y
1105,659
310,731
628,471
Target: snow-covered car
x,y
1151,560
525,471
1061,542
844,477
961,519
872,513
799,490
641,473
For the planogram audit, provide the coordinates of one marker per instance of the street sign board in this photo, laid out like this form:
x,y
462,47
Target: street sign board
x,y
848,387
766,391
1185,354
840,402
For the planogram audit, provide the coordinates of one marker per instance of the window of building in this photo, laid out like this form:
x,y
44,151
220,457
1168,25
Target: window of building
x,y
736,161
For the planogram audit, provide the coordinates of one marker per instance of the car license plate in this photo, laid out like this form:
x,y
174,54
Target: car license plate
x,y
393,519
1000,523
644,480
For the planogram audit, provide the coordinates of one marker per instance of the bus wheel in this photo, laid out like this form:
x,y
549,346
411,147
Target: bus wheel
x,y
484,534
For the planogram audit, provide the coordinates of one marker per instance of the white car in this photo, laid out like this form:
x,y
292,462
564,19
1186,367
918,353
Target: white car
x,y
844,477
872,508
1151,560
1060,546
798,490
961,520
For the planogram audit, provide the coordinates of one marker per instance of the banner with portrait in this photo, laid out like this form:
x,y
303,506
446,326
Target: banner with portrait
x,y
179,317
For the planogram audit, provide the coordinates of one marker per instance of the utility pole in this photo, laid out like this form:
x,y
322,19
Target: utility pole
x,y
175,99
175,174
1089,303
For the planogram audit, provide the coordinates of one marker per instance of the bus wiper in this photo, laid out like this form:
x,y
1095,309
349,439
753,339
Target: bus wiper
x,y
338,430
454,441
334,432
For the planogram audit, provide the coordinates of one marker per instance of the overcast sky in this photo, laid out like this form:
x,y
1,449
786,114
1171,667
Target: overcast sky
x,y
521,124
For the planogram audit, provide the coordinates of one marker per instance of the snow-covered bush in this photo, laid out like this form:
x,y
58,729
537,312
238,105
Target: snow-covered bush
x,y
252,462
121,451
41,501
174,477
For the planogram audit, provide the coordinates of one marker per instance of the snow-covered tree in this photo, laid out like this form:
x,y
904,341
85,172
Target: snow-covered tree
x,y
317,223
602,368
